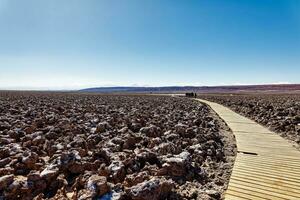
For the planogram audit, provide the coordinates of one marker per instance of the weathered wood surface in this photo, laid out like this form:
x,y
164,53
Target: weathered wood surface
x,y
266,167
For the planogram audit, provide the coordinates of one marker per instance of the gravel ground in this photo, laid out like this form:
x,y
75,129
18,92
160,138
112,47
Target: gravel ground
x,y
87,146
279,112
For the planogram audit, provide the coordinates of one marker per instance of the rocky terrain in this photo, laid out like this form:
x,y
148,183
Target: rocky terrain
x,y
84,146
279,112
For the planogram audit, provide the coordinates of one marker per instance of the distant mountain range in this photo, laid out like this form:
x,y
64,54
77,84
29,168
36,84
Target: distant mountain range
x,y
273,88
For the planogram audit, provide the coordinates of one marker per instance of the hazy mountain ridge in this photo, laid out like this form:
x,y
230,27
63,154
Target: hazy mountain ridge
x,y
200,89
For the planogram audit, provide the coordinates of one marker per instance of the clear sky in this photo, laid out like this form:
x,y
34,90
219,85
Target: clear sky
x,y
63,44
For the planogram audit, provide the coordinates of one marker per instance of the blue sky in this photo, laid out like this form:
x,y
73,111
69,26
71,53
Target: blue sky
x,y
62,44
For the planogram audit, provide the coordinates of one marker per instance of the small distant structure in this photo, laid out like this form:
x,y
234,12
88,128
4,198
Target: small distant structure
x,y
191,94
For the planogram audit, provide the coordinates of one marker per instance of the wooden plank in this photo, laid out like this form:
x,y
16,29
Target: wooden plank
x,y
292,190
263,192
266,174
271,181
274,173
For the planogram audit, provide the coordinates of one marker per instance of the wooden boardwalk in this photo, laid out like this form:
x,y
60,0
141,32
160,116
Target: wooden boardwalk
x,y
266,167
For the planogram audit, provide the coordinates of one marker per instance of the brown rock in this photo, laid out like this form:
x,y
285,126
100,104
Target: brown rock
x,y
167,148
49,173
5,181
151,131
153,189
4,162
4,152
117,171
102,127
177,165
6,171
134,179
97,185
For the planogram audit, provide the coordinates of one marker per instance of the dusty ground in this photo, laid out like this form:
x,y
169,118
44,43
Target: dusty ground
x,y
83,146
279,112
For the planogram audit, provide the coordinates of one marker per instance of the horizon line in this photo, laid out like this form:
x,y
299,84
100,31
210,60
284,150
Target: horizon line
x,y
133,86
